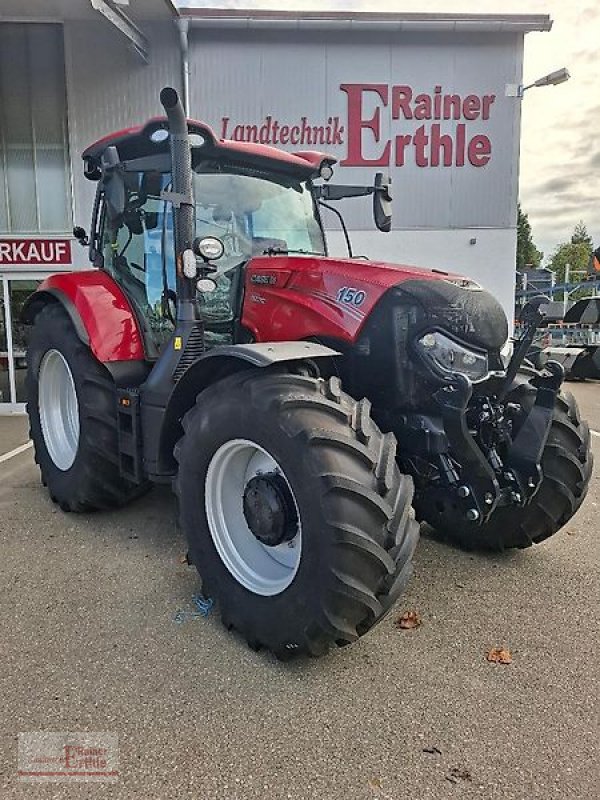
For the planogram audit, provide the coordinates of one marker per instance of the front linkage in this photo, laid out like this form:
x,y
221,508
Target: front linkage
x,y
488,454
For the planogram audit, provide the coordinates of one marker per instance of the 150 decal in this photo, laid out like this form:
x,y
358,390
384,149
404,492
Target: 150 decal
x,y
351,296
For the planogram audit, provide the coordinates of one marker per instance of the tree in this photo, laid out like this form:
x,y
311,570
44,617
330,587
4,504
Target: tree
x,y
527,253
577,255
580,235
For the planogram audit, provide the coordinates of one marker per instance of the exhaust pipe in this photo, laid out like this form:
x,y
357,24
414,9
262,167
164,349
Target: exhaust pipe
x,y
182,197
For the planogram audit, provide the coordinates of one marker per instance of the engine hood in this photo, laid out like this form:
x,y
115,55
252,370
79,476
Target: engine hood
x,y
376,273
296,297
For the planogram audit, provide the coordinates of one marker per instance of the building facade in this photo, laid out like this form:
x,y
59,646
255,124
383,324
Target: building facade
x,y
426,99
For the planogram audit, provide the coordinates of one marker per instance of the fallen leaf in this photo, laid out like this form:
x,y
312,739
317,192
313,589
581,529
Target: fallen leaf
x,y
374,783
184,559
499,655
432,750
408,620
571,533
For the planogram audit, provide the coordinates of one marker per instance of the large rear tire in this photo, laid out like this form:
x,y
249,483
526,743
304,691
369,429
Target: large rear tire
x,y
567,463
72,411
336,565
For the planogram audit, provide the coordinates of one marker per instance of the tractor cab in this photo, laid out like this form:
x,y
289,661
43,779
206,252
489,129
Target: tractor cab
x,y
252,199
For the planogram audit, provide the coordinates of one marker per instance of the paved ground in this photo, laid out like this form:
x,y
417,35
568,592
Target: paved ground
x,y
14,430
88,642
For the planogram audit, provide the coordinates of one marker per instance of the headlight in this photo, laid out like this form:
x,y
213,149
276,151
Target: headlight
x,y
450,356
209,247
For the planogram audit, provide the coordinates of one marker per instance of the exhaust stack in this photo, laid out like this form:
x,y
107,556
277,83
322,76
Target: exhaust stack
x,y
182,197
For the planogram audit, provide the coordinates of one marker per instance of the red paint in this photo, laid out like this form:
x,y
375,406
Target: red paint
x,y
304,303
480,149
314,157
425,145
105,312
35,252
117,137
302,159
274,132
356,124
310,159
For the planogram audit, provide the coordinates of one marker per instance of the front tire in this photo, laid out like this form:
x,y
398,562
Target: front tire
x,y
335,551
73,417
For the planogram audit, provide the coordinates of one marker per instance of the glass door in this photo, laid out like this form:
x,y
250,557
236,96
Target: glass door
x,y
6,386
13,343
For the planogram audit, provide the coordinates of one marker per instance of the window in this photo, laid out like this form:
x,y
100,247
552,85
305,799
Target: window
x,y
251,214
34,171
138,251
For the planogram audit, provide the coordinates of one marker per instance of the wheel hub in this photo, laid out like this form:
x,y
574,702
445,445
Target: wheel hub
x,y
269,509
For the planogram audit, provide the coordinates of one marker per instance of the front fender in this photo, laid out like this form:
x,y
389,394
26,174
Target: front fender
x,y
218,363
99,309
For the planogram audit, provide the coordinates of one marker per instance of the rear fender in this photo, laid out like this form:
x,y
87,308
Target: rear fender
x,y
99,309
215,365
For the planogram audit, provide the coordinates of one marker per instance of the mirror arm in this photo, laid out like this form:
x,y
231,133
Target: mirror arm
x,y
342,223
337,191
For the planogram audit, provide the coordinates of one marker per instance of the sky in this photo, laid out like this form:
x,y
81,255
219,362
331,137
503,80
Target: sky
x,y
560,134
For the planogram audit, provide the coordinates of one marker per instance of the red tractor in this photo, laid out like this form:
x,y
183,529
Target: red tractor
x,y
309,411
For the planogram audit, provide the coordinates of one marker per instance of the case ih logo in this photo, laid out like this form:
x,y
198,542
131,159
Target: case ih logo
x,y
416,124
34,252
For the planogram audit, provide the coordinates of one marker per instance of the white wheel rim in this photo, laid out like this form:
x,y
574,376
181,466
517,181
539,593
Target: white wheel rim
x,y
259,568
59,409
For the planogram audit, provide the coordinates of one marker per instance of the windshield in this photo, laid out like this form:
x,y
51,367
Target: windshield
x,y
252,215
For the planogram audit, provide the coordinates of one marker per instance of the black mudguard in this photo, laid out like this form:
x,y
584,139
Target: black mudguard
x,y
164,405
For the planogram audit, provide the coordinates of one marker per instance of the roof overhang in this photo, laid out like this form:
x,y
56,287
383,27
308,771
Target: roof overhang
x,y
113,13
363,21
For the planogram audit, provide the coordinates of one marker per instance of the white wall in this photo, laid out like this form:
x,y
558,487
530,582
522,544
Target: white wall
x,y
109,88
246,76
490,261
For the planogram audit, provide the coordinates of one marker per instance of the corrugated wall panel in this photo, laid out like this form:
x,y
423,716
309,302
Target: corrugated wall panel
x,y
245,75
109,88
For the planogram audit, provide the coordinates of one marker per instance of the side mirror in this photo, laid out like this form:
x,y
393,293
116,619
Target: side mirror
x,y
81,236
133,220
151,220
114,184
382,203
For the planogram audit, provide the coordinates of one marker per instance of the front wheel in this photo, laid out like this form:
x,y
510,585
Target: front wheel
x,y
294,509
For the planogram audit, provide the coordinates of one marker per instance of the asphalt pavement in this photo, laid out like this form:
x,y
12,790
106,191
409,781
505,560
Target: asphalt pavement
x,y
89,642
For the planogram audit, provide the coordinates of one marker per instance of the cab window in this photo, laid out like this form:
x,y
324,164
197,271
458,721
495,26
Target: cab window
x,y
138,251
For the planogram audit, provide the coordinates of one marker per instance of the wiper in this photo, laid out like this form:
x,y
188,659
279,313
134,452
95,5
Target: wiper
x,y
284,251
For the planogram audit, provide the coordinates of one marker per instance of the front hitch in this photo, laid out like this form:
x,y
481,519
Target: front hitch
x,y
477,498
523,459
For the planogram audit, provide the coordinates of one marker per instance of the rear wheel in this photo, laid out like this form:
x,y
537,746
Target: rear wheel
x,y
567,463
294,509
73,417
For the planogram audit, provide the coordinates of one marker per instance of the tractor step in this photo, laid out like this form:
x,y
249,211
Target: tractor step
x,y
130,435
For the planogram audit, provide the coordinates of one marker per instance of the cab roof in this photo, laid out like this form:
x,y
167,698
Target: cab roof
x,y
143,141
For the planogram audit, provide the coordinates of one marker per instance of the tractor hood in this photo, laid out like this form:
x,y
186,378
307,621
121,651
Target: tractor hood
x,y
297,297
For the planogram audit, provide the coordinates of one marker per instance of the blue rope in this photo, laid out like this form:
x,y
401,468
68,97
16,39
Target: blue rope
x,y
203,604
